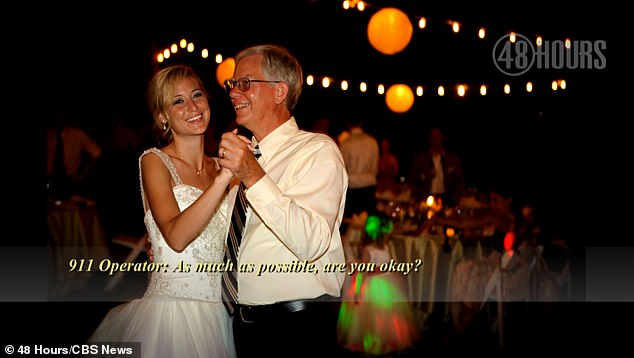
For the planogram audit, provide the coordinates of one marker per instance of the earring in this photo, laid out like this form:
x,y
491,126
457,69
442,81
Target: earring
x,y
164,126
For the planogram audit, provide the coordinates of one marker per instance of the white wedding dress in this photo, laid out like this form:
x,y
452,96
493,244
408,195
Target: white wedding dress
x,y
181,314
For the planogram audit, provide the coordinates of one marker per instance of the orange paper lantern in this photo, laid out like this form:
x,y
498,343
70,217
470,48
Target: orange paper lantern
x,y
225,69
390,30
399,98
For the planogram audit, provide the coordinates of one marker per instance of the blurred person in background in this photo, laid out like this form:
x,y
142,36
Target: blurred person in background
x,y
71,156
388,168
360,152
437,171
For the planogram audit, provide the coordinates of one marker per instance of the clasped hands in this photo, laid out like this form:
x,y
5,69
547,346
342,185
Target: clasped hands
x,y
235,154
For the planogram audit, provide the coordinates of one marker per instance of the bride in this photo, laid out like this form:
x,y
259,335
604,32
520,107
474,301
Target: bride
x,y
184,196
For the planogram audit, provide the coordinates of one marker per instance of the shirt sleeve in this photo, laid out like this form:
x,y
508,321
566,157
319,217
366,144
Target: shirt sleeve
x,y
303,216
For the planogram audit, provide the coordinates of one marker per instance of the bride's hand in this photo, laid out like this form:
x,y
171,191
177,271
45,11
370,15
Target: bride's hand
x,y
224,174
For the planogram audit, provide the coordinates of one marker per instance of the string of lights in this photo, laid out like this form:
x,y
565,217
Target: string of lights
x,y
516,51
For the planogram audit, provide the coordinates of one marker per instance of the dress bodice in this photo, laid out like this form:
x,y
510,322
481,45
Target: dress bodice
x,y
188,274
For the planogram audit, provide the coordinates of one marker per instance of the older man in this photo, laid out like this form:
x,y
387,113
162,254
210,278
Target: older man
x,y
290,198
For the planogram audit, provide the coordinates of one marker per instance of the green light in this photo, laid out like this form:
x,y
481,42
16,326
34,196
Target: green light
x,y
373,226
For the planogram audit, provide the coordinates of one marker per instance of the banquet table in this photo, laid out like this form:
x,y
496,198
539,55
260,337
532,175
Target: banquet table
x,y
76,245
421,238
441,251
439,256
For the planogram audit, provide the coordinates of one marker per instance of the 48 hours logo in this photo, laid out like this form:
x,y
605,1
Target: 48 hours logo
x,y
515,56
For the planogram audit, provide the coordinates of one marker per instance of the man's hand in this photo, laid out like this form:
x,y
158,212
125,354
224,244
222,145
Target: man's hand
x,y
236,154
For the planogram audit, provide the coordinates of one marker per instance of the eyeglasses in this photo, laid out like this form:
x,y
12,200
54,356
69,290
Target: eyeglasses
x,y
243,83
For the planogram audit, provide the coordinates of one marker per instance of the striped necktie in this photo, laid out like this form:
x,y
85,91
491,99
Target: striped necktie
x,y
236,228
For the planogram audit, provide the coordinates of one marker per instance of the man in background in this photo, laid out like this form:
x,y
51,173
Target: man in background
x,y
360,152
437,171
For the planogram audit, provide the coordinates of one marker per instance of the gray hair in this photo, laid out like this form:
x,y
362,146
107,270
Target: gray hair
x,y
278,64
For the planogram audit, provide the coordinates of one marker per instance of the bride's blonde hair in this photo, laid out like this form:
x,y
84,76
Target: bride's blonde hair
x,y
159,94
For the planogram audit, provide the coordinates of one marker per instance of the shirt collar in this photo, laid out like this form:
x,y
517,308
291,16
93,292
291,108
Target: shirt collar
x,y
274,140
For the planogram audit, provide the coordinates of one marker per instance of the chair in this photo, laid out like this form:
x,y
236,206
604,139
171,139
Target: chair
x,y
136,245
